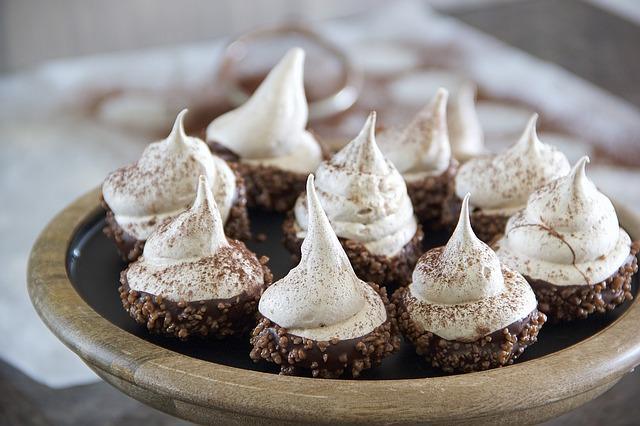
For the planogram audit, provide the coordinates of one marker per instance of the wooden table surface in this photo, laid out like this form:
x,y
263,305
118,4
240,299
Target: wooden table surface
x,y
594,44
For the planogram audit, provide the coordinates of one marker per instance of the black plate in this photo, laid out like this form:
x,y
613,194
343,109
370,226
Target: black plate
x,y
94,266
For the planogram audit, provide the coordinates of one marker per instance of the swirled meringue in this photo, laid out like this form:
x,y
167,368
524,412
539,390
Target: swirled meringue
x,y
465,131
568,234
269,128
461,292
322,298
422,148
364,197
160,185
189,258
502,183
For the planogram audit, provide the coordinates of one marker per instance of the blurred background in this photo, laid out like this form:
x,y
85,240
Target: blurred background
x,y
86,84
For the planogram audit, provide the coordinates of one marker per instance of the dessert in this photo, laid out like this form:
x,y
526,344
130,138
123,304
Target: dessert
x,y
266,137
422,153
366,201
465,132
321,318
568,244
191,280
464,311
140,196
501,183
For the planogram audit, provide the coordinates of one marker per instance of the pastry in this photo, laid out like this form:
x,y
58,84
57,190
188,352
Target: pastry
x,y
422,153
464,311
191,280
266,137
568,244
500,184
321,318
367,203
465,132
139,197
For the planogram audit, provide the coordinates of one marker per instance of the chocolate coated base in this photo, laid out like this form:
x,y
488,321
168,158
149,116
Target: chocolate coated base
x,y
379,269
497,349
331,359
434,200
217,318
488,227
568,303
269,188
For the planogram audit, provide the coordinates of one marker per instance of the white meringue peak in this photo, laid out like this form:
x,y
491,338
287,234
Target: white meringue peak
x,y
322,298
461,292
465,132
362,153
160,185
195,233
269,128
188,258
467,269
364,196
422,148
502,183
568,234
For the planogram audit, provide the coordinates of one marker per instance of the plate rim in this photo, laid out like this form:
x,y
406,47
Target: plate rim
x,y
549,379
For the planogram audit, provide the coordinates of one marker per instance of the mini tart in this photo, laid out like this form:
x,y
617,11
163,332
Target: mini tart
x,y
267,139
369,209
329,359
421,152
569,246
388,271
500,184
139,197
236,227
465,312
193,281
321,319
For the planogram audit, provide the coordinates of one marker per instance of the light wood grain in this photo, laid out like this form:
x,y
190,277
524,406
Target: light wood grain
x,y
205,392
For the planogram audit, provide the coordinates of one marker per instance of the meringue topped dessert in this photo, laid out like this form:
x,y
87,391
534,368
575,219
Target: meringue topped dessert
x,y
465,132
191,280
568,244
500,184
422,154
268,139
321,318
140,196
464,311
369,209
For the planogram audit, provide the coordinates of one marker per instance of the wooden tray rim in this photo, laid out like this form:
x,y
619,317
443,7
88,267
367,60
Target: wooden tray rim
x,y
561,375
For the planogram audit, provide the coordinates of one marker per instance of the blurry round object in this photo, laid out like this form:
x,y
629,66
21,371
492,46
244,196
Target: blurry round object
x,y
500,119
573,148
144,112
417,88
383,58
331,82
